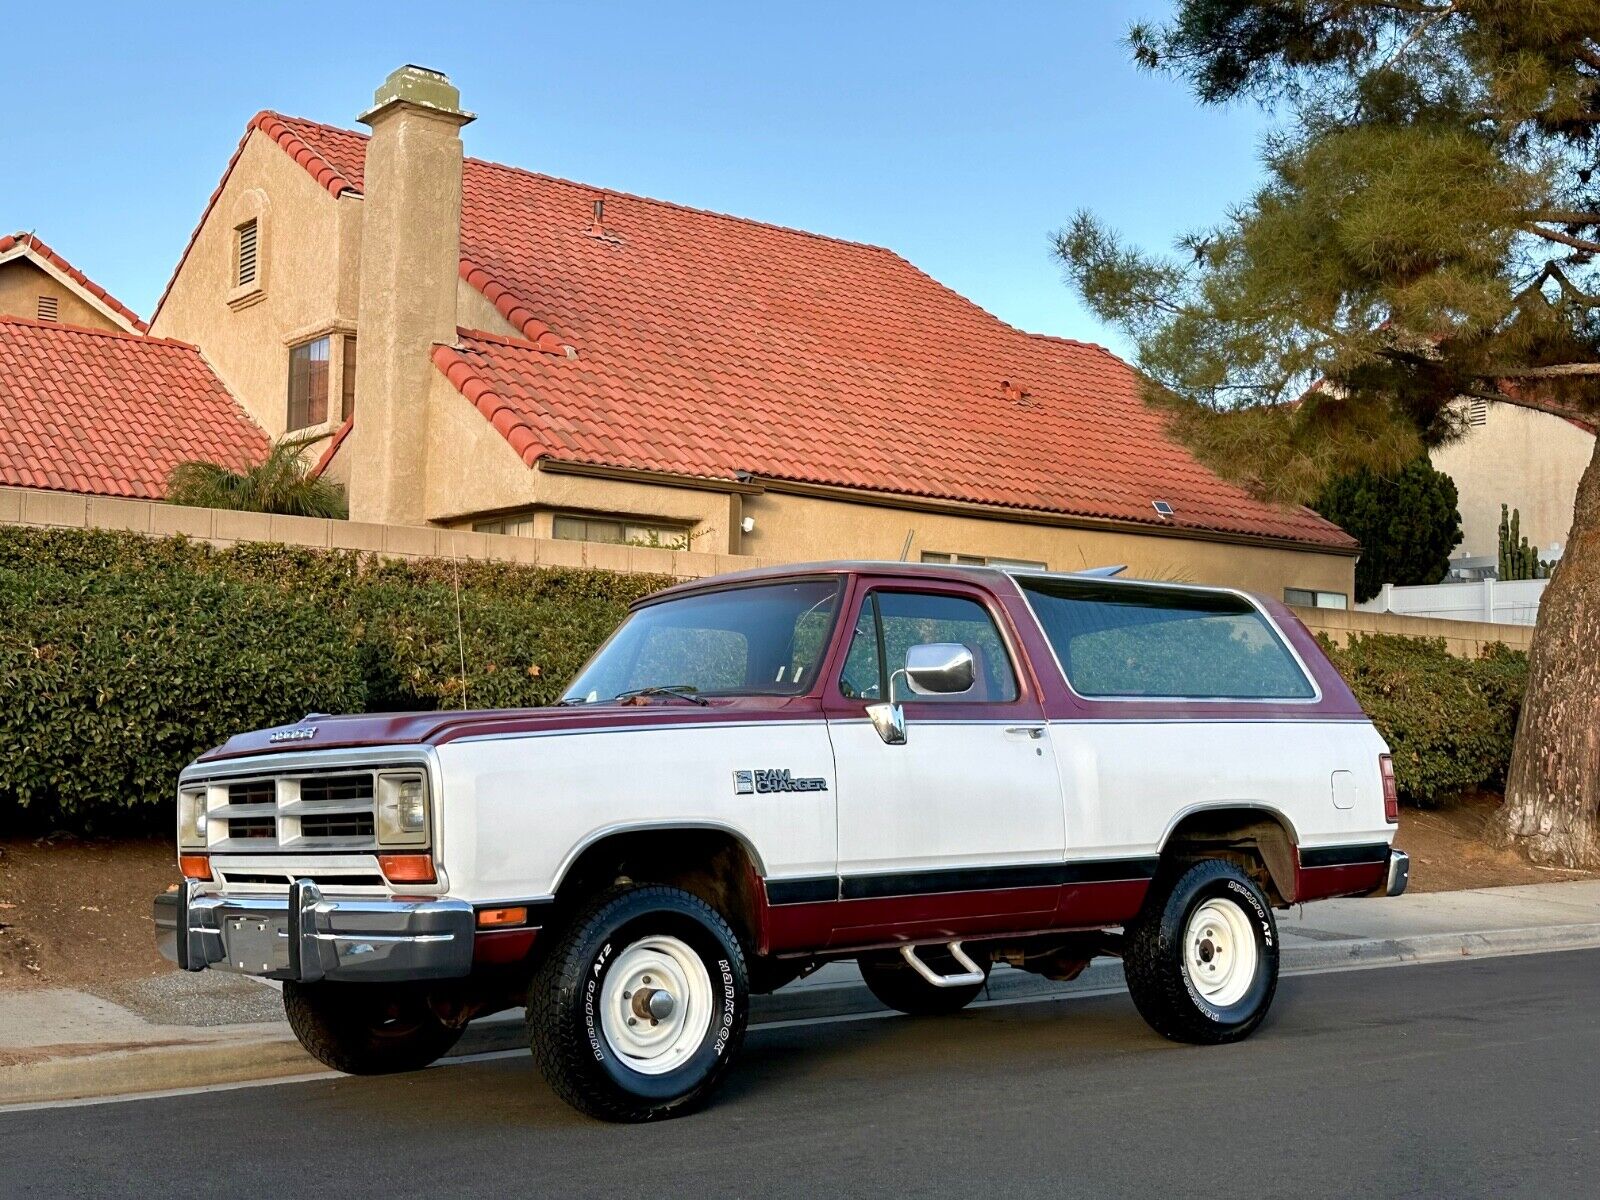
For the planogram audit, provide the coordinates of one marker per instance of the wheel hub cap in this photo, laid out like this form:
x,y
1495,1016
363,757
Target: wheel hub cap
x,y
1220,954
656,1005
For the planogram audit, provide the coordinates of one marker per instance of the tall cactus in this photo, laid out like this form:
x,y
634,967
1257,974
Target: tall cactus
x,y
1518,560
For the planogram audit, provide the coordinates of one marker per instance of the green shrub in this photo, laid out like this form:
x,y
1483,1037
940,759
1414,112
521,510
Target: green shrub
x,y
1449,721
123,657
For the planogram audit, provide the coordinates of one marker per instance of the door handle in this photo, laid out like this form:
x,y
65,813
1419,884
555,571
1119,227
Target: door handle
x,y
1028,731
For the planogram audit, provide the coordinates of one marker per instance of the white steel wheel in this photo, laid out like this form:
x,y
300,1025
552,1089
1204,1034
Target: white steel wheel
x,y
656,1007
1219,952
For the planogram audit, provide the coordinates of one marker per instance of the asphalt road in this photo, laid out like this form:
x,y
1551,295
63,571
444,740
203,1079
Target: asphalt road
x,y
1471,1079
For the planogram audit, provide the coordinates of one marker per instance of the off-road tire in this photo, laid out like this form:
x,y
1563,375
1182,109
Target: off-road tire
x,y
367,1028
1155,961
565,1026
898,986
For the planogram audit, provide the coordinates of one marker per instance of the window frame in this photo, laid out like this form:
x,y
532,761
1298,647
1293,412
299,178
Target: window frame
x,y
1255,605
866,592
288,408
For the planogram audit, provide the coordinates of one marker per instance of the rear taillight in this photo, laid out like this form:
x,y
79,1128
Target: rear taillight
x,y
1391,795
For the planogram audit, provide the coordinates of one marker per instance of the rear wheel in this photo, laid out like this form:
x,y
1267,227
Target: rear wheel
x,y
1201,959
367,1028
898,986
639,1009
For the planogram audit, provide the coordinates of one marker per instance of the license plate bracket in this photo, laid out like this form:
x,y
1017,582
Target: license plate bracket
x,y
257,945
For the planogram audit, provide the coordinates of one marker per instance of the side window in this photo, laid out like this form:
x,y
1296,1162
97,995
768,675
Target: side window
x,y
1158,643
905,619
862,677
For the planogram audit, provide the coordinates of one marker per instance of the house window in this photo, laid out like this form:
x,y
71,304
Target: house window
x,y
515,525
49,308
245,246
979,560
621,532
1307,598
347,381
308,384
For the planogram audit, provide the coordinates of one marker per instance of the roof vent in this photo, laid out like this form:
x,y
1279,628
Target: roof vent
x,y
1013,392
1162,507
597,224
49,308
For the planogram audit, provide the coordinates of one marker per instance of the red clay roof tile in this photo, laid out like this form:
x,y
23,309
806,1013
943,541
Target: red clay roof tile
x,y
709,345
110,414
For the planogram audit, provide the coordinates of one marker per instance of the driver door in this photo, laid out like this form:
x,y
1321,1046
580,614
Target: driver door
x,y
961,826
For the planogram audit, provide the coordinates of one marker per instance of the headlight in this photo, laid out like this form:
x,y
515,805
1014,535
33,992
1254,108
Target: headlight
x,y
403,808
192,818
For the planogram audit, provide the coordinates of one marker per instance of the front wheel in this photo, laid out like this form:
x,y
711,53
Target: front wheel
x,y
639,1009
367,1028
1201,959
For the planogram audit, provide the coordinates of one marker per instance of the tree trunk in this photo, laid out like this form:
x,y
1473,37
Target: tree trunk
x,y
1552,805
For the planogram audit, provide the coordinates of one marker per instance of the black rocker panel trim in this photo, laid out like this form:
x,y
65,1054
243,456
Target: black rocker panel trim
x,y
819,888
1344,856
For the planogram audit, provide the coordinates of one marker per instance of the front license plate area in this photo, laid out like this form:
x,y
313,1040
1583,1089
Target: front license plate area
x,y
258,945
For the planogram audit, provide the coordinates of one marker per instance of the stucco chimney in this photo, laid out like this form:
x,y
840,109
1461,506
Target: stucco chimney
x,y
410,254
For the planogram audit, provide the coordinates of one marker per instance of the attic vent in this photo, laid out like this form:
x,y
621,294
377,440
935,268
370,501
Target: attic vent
x,y
245,259
1478,412
49,308
1162,507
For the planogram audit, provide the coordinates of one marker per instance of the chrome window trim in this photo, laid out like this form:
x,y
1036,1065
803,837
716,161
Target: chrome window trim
x,y
1255,606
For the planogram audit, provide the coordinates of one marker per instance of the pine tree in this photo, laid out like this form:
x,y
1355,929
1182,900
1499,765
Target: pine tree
x,y
1428,231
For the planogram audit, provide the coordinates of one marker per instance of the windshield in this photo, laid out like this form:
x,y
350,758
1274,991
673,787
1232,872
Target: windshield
x,y
763,640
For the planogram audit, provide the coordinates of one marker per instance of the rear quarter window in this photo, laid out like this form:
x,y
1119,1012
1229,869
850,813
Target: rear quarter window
x,y
1120,642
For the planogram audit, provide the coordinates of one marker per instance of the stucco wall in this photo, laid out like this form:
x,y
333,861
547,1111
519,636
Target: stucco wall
x,y
310,252
1465,639
21,285
796,528
1529,460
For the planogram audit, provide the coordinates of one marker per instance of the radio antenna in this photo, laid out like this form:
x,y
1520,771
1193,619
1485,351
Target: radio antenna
x,y
461,635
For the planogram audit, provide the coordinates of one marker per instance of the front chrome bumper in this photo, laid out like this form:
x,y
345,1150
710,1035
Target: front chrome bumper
x,y
1398,874
305,936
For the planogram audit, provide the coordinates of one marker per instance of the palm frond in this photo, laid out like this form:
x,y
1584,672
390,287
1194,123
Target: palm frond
x,y
280,483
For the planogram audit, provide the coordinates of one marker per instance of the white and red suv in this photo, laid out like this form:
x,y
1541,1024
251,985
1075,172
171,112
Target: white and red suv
x,y
928,770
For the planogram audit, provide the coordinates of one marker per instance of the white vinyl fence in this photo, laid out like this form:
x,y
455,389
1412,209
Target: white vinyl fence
x,y
1512,602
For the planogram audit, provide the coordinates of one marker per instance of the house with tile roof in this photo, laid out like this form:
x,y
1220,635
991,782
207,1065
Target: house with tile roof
x,y
486,347
89,402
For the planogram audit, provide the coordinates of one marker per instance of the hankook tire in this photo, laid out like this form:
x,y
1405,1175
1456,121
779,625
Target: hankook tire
x,y
1201,959
638,1010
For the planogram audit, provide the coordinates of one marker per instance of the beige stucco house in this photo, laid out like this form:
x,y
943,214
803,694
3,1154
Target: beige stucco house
x,y
1531,461
480,346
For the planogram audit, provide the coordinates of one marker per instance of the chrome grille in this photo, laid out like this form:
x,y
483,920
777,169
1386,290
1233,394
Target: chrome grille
x,y
339,825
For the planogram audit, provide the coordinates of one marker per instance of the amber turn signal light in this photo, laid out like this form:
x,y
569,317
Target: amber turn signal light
x,y
407,868
500,918
195,866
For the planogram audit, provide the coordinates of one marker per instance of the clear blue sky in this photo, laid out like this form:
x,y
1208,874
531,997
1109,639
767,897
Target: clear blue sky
x,y
959,137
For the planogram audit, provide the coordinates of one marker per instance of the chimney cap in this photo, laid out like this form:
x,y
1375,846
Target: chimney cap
x,y
421,87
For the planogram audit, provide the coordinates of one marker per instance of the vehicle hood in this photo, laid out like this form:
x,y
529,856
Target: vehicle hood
x,y
319,731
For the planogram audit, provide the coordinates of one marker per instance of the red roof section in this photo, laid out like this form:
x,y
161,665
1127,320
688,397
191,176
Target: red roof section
x,y
110,414
31,243
710,345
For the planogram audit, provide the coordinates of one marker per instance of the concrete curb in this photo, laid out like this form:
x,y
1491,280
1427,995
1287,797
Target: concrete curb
x,y
202,1064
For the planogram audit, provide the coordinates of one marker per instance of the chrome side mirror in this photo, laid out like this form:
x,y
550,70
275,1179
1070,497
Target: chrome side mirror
x,y
939,669
890,722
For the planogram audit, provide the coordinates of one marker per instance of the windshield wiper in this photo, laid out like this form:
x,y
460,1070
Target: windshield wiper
x,y
683,691
569,701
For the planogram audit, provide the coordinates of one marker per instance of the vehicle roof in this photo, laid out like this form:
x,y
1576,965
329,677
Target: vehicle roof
x,y
1101,575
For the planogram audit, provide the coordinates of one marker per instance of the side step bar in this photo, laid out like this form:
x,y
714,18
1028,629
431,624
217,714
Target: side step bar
x,y
972,974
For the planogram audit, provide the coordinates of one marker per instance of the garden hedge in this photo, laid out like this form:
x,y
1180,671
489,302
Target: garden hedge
x,y
1449,721
122,657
